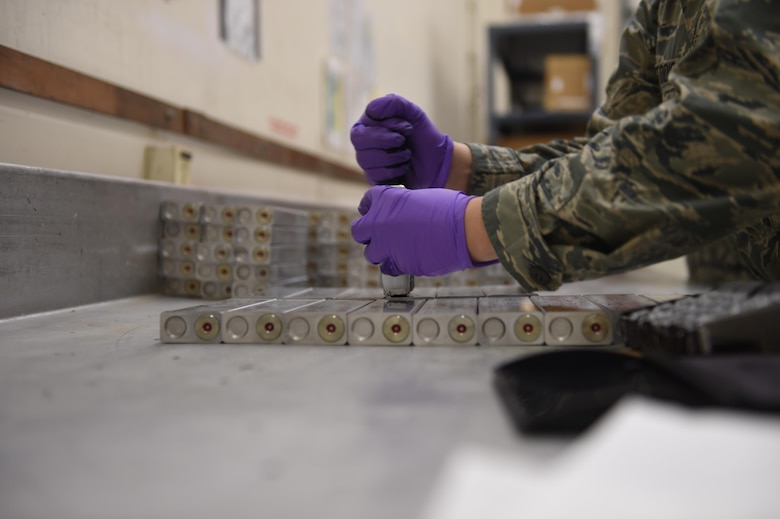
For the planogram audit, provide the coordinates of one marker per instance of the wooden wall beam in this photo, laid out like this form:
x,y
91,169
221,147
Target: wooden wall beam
x,y
33,76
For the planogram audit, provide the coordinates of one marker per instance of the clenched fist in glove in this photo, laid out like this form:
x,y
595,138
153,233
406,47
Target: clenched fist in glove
x,y
414,232
396,143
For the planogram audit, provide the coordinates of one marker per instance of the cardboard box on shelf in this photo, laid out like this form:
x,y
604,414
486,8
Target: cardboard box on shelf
x,y
567,83
546,6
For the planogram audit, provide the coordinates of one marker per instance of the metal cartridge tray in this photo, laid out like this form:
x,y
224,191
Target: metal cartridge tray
x,y
460,291
361,293
262,288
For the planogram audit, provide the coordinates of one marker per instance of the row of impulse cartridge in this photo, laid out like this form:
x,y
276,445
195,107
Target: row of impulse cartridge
x,y
499,315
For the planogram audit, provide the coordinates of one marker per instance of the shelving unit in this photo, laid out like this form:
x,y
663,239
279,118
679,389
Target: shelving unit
x,y
520,50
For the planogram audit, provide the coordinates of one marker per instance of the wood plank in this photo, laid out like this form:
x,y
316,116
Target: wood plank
x,y
33,76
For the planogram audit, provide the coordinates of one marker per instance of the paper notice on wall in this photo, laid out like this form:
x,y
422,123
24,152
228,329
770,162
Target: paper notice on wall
x,y
335,127
240,27
362,67
338,16
350,71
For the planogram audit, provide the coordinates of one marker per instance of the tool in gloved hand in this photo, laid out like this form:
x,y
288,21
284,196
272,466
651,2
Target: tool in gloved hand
x,y
395,143
397,286
417,232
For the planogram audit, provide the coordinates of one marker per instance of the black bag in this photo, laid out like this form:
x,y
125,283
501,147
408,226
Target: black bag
x,y
565,391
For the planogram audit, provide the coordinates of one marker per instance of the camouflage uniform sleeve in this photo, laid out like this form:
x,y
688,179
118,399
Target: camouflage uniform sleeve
x,y
495,166
650,187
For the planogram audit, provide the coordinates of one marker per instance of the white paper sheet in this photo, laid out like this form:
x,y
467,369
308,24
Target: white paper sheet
x,y
643,460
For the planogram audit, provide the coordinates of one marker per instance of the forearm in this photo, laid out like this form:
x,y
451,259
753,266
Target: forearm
x,y
477,239
460,170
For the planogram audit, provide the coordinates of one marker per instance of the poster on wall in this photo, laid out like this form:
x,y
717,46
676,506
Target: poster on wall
x,y
240,27
350,70
335,94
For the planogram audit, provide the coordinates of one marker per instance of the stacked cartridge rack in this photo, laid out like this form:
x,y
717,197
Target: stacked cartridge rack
x,y
334,258
455,316
215,251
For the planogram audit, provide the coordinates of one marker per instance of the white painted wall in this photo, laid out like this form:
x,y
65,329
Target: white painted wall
x,y
431,51
170,49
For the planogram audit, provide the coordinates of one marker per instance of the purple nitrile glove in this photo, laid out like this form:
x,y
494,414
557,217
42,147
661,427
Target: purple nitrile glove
x,y
396,143
414,232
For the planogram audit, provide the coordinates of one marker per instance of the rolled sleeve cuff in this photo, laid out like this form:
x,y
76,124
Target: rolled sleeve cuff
x,y
491,167
512,225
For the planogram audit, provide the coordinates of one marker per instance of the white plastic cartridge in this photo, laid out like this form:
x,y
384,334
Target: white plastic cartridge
x,y
214,253
180,211
385,322
573,320
177,249
216,290
213,233
509,320
448,321
180,230
614,305
321,323
222,272
181,287
197,324
218,214
260,324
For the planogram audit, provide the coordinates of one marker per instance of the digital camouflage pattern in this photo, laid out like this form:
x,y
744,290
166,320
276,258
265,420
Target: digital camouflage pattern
x,y
684,153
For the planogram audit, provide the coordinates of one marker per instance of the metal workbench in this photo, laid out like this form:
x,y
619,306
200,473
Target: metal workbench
x,y
98,419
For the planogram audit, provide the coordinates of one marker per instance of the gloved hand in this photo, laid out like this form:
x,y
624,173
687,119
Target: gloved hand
x,y
396,143
413,232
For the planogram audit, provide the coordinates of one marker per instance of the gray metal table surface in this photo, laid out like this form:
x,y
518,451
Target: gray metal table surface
x,y
99,419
